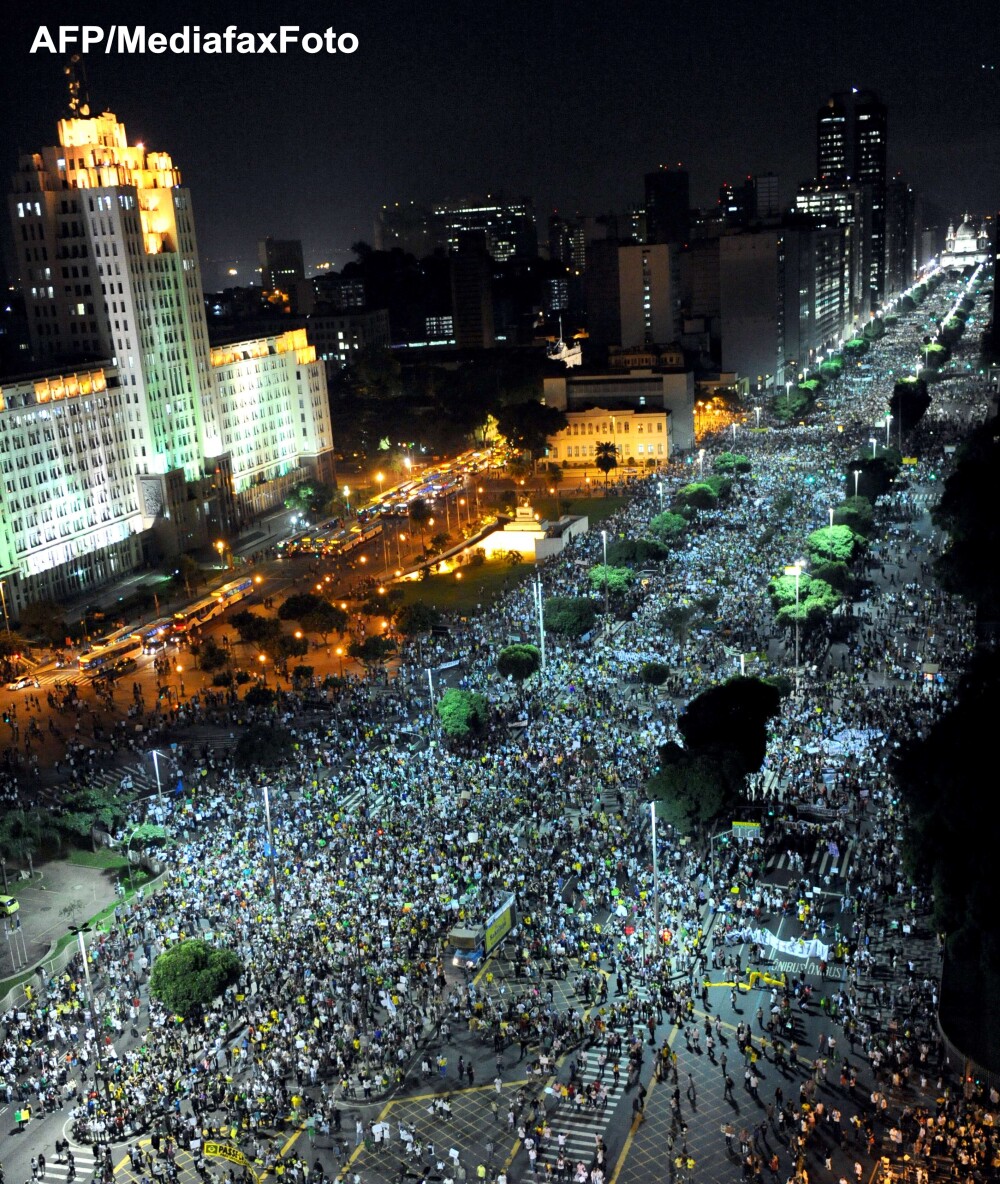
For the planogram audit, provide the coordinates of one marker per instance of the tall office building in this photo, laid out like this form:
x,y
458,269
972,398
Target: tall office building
x,y
472,294
752,287
848,207
281,266
900,236
507,226
129,422
851,135
668,206
649,294
410,227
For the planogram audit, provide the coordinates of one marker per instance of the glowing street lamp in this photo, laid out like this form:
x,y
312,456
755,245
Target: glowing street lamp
x,y
857,474
796,569
262,659
220,546
888,420
701,462
347,499
874,443
604,544
757,413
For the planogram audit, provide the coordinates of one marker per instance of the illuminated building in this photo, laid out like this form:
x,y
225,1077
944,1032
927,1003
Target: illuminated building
x,y
641,438
341,337
508,227
641,390
281,265
851,135
649,294
105,242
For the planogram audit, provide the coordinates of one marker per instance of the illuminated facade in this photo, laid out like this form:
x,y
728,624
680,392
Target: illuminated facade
x,y
70,514
105,242
641,438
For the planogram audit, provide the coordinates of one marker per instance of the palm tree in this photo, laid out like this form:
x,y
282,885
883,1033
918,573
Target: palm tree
x,y
420,515
606,459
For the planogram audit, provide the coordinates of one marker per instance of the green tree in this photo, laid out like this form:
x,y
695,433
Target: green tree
x,y
527,426
605,458
519,661
698,495
325,619
253,628
284,646
462,713
569,616
417,617
732,462
677,620
909,402
310,497
654,674
668,526
299,605
836,544
373,651
212,656
190,975
617,579
857,513
420,514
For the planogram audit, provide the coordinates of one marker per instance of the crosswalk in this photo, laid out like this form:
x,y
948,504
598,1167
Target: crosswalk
x,y
83,1162
829,860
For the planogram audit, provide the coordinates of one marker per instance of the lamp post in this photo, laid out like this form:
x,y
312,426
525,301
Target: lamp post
x,y
831,517
347,499
857,474
3,601
659,490
604,544
536,588
380,478
180,678
79,931
262,659
701,462
874,443
788,397
156,769
399,558
275,887
340,654
656,880
796,569
220,546
756,411
888,420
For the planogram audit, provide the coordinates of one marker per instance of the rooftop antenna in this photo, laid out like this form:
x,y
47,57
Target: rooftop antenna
x,y
79,100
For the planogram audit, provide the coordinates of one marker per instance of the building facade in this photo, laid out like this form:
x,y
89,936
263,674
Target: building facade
x,y
649,294
106,246
641,438
638,390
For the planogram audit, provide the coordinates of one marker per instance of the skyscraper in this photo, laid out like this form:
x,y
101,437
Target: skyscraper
x,y
668,206
851,134
281,266
508,226
131,429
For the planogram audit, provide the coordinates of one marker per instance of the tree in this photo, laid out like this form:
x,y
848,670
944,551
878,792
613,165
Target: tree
x,y
253,628
857,513
817,600
668,526
606,458
677,619
420,514
637,552
462,713
527,426
654,674
295,607
616,579
416,618
190,975
212,656
325,619
263,746
909,402
732,462
283,646
373,652
569,616
698,495
837,544
45,618
966,512
310,497
519,661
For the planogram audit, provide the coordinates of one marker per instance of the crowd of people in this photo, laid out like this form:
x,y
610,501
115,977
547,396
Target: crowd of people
x,y
383,845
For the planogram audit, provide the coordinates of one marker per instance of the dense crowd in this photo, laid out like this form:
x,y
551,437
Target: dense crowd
x,y
382,846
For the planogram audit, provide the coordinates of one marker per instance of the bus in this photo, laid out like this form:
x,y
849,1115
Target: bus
x,y
154,634
357,536
234,592
113,659
197,614
102,643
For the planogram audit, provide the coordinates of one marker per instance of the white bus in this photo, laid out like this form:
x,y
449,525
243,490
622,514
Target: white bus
x,y
113,659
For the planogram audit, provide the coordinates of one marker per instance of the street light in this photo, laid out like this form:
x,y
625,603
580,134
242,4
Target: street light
x,y
78,931
604,543
796,569
888,420
380,477
180,677
831,517
275,886
262,659
156,768
788,397
757,413
220,546
857,474
347,499
339,651
873,442
659,490
656,877
701,462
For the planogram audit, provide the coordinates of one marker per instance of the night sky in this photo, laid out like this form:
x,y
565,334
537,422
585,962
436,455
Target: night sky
x,y
567,103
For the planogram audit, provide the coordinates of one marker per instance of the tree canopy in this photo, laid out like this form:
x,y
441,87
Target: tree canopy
x,y
617,579
571,616
527,426
188,976
697,495
836,544
462,713
732,462
638,552
519,661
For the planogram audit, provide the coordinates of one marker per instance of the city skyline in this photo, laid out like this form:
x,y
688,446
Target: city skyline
x,y
564,107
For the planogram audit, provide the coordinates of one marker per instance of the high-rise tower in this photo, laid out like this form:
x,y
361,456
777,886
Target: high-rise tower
x,y
851,133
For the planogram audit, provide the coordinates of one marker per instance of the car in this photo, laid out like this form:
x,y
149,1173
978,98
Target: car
x,y
20,683
9,905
